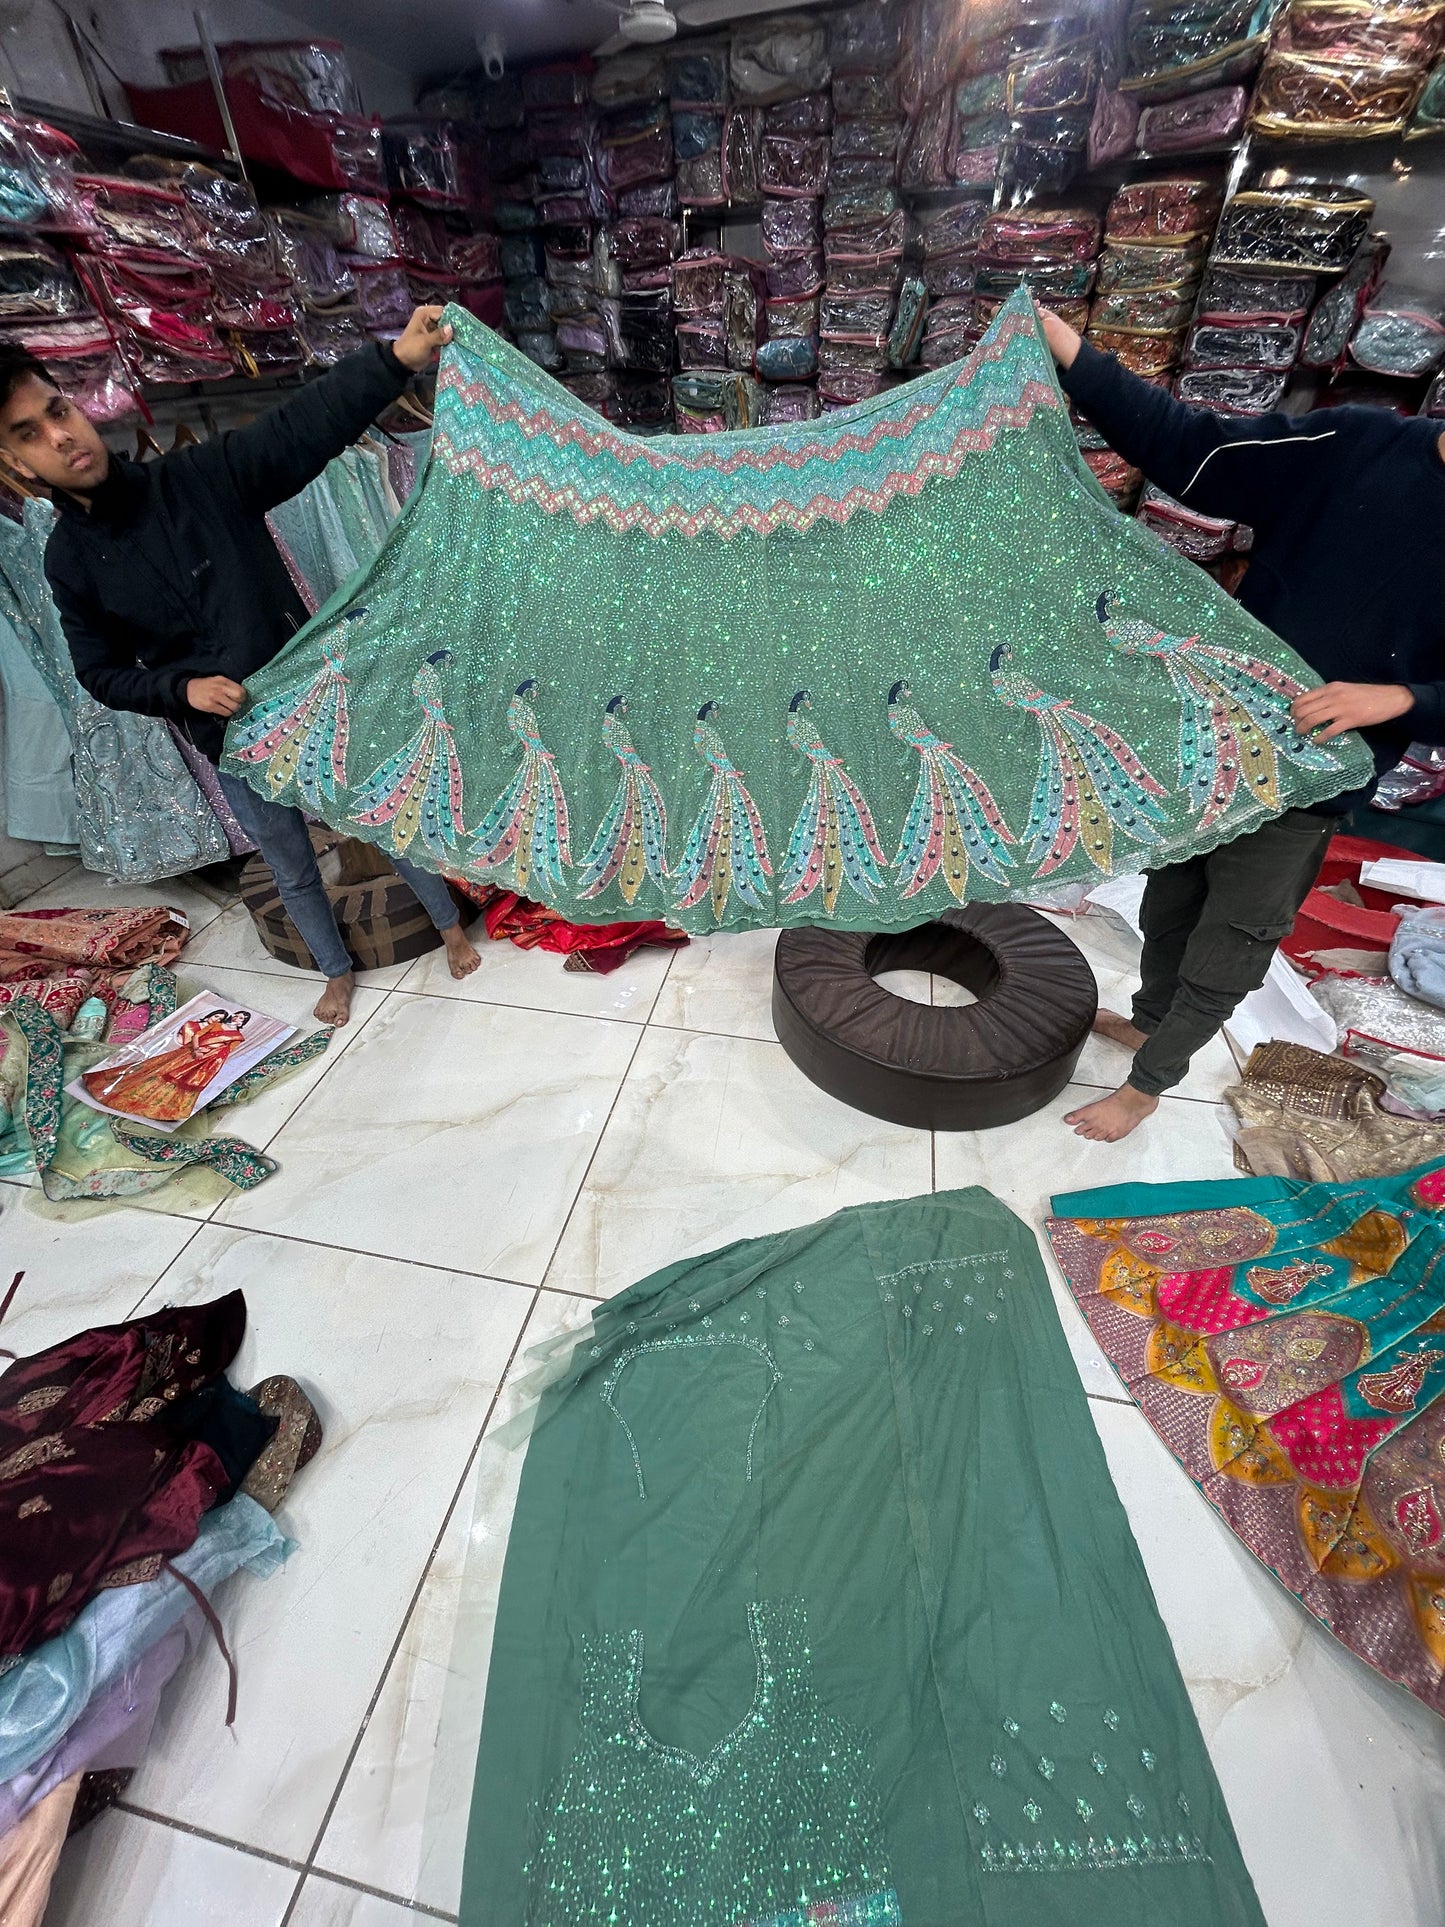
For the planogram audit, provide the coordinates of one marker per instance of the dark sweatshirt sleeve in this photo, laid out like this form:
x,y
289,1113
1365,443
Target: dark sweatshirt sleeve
x,y
277,456
1427,718
1217,464
100,669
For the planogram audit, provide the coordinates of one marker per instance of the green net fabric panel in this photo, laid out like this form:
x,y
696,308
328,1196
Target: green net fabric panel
x,y
850,671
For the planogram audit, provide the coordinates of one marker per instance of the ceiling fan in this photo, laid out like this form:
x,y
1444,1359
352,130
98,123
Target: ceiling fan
x,y
647,23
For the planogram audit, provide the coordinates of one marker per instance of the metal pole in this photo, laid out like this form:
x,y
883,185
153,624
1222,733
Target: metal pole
x,y
218,88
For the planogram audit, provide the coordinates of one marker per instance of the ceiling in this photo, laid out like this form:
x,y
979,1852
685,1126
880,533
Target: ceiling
x,y
433,39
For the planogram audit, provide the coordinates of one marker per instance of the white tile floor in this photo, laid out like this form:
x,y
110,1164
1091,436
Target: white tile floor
x,y
460,1174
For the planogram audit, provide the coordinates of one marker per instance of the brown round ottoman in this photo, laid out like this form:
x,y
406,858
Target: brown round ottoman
x,y
959,1069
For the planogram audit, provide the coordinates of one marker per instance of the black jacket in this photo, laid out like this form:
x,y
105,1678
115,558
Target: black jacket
x,y
172,573
1348,511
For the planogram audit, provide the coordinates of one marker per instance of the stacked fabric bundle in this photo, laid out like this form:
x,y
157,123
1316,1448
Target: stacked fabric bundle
x,y
950,239
134,1479
144,274
1146,281
1273,248
294,105
1187,71
42,303
1338,70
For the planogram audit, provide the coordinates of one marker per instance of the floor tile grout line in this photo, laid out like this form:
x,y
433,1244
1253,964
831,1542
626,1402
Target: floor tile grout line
x,y
419,1907
361,1251
415,1599
208,1834
642,1031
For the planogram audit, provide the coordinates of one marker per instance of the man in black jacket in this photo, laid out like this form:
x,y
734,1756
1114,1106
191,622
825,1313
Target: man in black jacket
x,y
1348,566
171,591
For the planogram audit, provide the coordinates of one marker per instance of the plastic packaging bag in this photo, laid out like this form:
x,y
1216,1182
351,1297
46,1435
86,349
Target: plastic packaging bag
x,y
954,230
788,358
1141,265
872,139
1113,126
700,182
697,76
790,402
527,309
865,273
1303,94
1241,342
864,39
699,281
37,176
791,225
1142,311
795,275
1233,391
859,314
1338,310
134,217
1043,237
629,79
743,318
1144,354
787,319
775,58
1202,538
1258,297
701,342
1400,334
36,280
805,114
84,362
793,166
314,75
905,338
1199,123
1174,209
866,95
1316,228
439,162
742,136
924,164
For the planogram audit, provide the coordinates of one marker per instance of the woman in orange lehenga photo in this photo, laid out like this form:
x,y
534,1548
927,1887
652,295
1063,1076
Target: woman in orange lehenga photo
x,y
165,1088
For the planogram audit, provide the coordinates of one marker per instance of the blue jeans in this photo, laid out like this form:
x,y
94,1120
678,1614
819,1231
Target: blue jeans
x,y
281,835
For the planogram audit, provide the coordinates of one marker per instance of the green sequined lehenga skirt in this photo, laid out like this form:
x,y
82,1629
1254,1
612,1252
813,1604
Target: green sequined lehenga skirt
x,y
851,671
820,1610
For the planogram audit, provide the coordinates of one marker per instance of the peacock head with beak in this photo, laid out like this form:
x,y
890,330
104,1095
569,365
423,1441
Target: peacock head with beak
x,y
618,706
707,712
526,688
801,701
1000,656
1107,603
899,693
439,655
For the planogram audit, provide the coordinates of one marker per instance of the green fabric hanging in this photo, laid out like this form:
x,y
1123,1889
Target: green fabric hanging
x,y
819,1610
852,670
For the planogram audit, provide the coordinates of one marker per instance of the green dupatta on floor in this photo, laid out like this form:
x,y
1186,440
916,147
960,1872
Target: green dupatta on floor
x,y
850,671
820,1610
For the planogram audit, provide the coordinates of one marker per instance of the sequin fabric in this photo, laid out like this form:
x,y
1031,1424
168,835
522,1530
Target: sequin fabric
x,y
864,1442
783,1804
848,671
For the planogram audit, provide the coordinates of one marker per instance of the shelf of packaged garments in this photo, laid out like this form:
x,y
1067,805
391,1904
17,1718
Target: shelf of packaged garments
x,y
103,139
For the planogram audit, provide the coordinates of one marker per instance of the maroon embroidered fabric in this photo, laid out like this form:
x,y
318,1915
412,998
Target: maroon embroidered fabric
x,y
96,1488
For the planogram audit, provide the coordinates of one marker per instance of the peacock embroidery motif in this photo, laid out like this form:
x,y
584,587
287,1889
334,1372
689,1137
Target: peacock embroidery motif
x,y
952,819
418,791
527,825
834,840
726,850
1235,717
1090,784
631,840
300,734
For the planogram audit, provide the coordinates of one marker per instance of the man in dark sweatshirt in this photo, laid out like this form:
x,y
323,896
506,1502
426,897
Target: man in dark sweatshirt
x,y
1348,566
171,591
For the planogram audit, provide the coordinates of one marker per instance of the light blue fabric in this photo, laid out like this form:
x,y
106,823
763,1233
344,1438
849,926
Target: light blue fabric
x,y
1417,954
140,814
47,1690
39,789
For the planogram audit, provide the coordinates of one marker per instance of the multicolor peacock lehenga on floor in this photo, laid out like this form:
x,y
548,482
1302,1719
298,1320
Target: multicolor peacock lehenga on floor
x,y
869,666
1287,1342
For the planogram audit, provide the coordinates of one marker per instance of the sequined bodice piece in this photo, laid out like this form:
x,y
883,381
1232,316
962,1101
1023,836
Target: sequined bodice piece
x,y
776,1818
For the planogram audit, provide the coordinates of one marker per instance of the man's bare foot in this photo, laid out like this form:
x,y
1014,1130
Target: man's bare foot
x,y
462,956
335,1005
1119,1030
1113,1117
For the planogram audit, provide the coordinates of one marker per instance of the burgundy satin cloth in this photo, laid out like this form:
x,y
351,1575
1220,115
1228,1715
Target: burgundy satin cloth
x,y
96,1488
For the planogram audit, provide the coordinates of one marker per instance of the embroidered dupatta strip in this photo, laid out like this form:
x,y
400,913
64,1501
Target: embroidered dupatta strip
x,y
847,671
